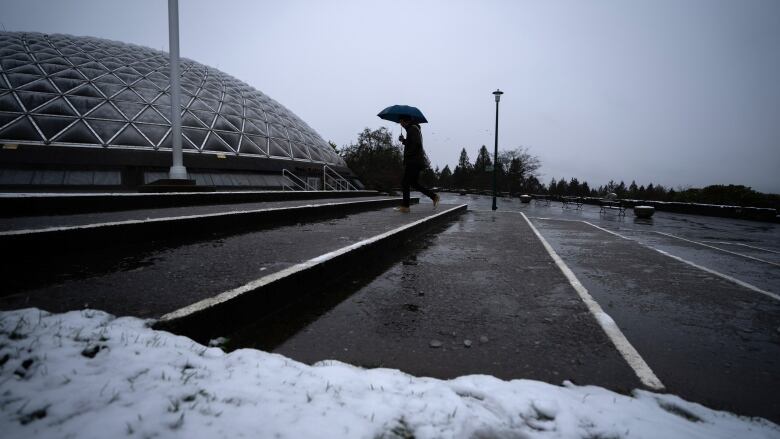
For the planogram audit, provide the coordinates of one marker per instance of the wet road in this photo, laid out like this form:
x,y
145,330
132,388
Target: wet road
x,y
482,296
707,338
463,302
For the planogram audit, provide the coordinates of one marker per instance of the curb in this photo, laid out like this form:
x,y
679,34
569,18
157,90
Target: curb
x,y
223,313
18,243
58,204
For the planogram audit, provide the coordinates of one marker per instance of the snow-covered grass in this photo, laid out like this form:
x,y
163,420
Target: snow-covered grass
x,y
88,374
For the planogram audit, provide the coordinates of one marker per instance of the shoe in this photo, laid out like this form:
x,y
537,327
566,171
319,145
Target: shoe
x,y
435,200
402,209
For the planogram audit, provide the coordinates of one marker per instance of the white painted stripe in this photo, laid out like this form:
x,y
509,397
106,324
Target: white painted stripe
x,y
629,353
724,276
718,248
178,218
744,245
555,219
516,212
693,264
608,231
273,277
159,194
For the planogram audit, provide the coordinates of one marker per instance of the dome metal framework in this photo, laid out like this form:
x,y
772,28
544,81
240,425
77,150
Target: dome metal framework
x,y
90,92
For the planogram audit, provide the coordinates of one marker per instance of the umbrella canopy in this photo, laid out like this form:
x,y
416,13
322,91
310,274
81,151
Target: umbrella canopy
x,y
394,113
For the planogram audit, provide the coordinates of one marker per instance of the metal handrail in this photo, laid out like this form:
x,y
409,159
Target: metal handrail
x,y
342,184
292,178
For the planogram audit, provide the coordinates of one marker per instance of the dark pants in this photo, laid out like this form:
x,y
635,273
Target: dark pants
x,y
411,175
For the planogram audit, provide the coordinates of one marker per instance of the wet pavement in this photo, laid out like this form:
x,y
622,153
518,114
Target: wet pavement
x,y
45,221
708,339
481,297
150,279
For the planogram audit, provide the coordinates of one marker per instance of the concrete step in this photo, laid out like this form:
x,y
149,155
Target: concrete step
x,y
231,309
147,279
64,234
26,204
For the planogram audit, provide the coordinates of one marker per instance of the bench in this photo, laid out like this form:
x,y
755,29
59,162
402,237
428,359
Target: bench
x,y
542,199
610,205
572,203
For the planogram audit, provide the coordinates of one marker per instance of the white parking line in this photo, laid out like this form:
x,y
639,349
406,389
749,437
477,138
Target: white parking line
x,y
693,264
717,248
629,353
744,245
554,219
608,231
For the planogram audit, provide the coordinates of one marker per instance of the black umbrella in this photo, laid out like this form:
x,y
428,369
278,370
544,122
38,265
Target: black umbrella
x,y
395,113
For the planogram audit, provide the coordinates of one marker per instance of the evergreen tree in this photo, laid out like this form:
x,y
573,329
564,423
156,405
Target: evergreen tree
x,y
427,177
660,193
531,185
483,159
461,177
561,188
574,187
482,176
621,190
650,192
632,189
445,178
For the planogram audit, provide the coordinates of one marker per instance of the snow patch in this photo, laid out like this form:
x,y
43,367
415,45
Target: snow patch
x,y
88,374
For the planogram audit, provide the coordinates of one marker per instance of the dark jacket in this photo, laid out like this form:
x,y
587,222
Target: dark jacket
x,y
414,155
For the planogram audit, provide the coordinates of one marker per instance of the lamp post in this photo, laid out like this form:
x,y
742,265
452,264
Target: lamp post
x,y
177,171
497,94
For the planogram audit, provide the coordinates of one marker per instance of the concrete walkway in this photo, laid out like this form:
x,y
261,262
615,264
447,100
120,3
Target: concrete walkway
x,y
482,297
485,297
149,280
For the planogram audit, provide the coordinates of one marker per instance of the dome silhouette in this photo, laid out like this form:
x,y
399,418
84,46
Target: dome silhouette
x,y
68,91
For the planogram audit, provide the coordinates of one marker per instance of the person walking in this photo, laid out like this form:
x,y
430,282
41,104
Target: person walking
x,y
414,163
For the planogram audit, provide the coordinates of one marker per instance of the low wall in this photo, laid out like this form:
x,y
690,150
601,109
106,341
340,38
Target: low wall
x,y
749,213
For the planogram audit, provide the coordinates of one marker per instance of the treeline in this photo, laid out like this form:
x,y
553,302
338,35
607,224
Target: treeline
x,y
378,161
733,195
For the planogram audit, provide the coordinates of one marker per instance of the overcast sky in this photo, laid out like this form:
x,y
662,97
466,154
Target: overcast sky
x,y
676,92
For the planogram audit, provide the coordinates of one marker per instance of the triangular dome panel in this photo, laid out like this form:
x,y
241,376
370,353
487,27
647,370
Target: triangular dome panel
x,y
21,129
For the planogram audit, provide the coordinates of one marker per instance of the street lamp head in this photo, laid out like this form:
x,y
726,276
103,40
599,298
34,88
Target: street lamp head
x,y
498,94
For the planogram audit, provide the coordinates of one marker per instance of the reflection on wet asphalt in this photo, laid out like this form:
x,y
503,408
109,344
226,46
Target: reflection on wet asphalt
x,y
481,297
708,339
762,238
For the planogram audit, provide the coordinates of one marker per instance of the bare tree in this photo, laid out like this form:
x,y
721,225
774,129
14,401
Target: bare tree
x,y
519,166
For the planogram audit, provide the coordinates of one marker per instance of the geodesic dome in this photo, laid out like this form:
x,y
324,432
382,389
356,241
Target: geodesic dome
x,y
89,92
